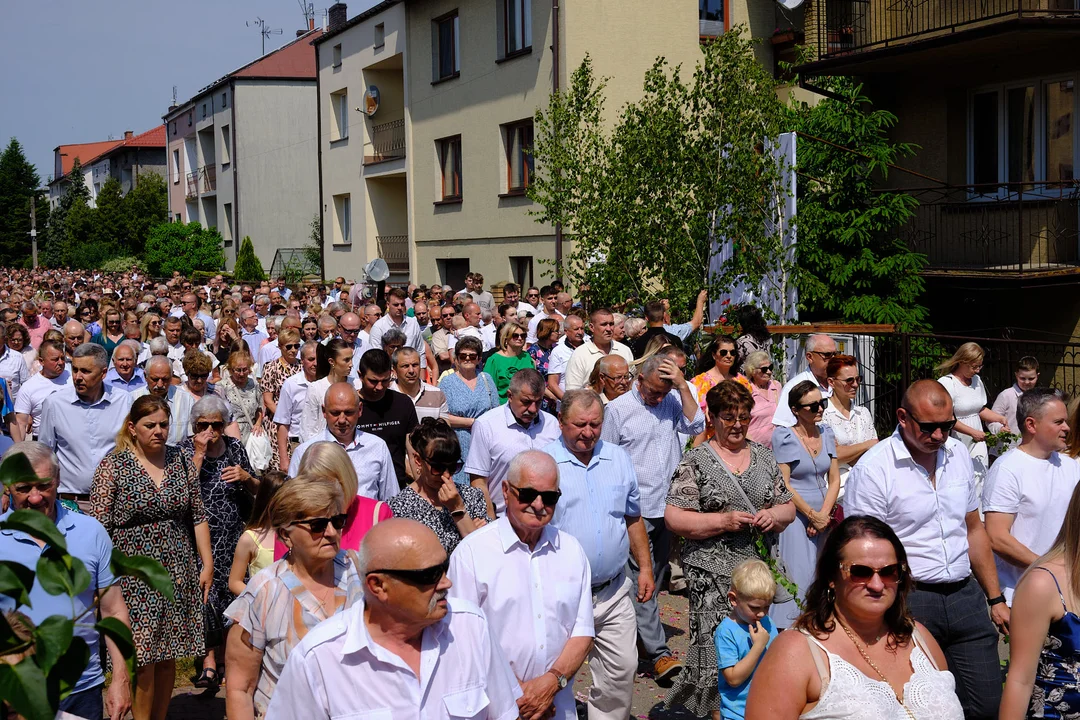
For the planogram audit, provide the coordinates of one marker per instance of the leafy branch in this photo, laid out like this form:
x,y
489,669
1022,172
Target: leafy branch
x,y
781,579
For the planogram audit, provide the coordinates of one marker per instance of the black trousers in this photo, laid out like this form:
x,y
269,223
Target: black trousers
x,y
957,617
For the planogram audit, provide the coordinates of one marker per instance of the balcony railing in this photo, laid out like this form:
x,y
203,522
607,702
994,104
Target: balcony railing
x,y
394,249
209,178
852,26
1010,228
387,142
192,184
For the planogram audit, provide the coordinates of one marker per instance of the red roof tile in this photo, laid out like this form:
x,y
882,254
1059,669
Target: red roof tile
x,y
154,137
84,152
295,60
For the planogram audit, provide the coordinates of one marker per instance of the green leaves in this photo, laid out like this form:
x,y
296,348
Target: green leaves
x,y
62,574
52,639
16,468
16,581
183,248
35,524
24,687
120,634
247,267
146,569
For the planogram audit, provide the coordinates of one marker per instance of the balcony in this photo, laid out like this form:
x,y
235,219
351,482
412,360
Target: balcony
x,y
387,142
208,173
394,249
192,190
1006,230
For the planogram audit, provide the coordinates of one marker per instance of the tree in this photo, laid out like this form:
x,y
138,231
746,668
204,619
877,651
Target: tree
x,y
184,249
851,262
54,249
247,267
145,206
684,166
19,183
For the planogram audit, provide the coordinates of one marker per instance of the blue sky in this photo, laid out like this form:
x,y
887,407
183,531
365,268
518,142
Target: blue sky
x,y
82,70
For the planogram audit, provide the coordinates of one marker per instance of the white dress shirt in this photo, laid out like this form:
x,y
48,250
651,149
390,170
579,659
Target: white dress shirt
x,y
783,415
930,518
535,600
370,458
584,358
414,338
13,369
338,671
290,406
557,361
33,395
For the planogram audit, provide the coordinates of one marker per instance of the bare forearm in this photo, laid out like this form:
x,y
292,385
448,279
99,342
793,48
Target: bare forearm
x,y
458,422
572,656
693,525
283,445
202,544
689,403
738,673
553,386
1011,550
849,454
964,429
639,544
982,560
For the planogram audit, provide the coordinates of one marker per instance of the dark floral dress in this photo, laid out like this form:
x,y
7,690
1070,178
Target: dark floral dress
x,y
409,504
701,484
159,523
274,376
541,358
227,506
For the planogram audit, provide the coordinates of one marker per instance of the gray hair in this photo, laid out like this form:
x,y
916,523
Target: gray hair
x,y
1033,403
566,321
401,352
393,337
133,345
634,326
818,340
276,321
92,350
651,366
335,306
526,378
156,360
581,397
36,452
29,306
534,460
210,404
753,361
159,346
261,299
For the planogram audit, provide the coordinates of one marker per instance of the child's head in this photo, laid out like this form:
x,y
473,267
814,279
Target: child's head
x,y
268,485
752,590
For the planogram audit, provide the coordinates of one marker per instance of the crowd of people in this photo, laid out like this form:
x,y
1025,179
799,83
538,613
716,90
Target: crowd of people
x,y
440,505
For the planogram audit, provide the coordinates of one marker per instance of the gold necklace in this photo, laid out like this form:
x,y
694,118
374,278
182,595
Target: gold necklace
x,y
872,664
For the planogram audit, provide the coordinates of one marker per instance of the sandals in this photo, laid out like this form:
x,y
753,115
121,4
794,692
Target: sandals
x,y
209,677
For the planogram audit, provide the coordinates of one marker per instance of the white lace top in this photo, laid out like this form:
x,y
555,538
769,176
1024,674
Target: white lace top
x,y
849,694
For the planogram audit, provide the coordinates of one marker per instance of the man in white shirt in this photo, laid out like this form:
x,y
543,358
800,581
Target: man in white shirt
x,y
403,651
534,584
1024,497
584,358
396,318
819,350
547,297
572,339
250,332
920,482
290,406
52,377
1026,375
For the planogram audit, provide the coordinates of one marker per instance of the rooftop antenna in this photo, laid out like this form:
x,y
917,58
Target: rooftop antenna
x,y
309,14
263,30
174,96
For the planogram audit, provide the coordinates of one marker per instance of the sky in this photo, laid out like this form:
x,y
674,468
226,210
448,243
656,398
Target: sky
x,y
84,70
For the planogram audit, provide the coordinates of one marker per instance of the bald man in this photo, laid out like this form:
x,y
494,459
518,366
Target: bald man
x,y
614,377
368,453
920,482
405,649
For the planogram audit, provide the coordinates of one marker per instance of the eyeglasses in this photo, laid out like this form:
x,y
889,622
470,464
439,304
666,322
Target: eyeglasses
x,y
732,420
765,368
626,377
203,426
440,467
199,376
725,353
468,357
532,295
814,406
528,495
350,331
317,526
518,336
422,576
291,346
826,355
857,380
862,574
930,428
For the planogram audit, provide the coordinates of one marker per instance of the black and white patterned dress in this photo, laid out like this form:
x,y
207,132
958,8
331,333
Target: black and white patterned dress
x,y
409,504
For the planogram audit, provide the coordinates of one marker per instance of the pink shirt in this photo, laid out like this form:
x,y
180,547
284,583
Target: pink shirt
x,y
37,333
362,514
761,415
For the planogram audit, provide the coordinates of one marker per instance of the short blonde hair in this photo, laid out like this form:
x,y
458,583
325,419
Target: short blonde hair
x,y
302,497
753,579
329,460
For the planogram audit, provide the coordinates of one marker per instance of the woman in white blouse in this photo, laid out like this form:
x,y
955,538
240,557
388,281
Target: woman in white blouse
x,y
852,425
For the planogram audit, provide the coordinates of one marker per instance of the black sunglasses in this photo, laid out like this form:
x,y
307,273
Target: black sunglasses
x,y
423,576
518,336
468,356
292,346
440,467
931,427
765,368
864,573
528,495
814,406
726,353
317,526
202,425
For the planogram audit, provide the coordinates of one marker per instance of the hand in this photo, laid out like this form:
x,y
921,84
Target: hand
x,y
811,531
201,441
735,521
118,696
234,473
670,371
702,297
537,696
206,578
1000,615
645,585
449,497
978,435
758,634
765,520
819,520
257,429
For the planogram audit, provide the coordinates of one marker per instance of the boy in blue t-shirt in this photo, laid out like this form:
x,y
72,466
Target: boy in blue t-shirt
x,y
742,637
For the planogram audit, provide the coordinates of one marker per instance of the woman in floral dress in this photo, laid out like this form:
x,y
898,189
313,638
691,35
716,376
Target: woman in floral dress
x,y
274,376
146,494
469,394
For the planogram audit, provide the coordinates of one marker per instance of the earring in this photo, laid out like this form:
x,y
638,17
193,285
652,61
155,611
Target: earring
x,y
830,595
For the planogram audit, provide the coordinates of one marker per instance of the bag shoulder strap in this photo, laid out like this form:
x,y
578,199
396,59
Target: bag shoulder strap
x,y
375,513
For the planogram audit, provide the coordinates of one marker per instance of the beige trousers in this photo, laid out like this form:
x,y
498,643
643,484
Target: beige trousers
x,y
613,659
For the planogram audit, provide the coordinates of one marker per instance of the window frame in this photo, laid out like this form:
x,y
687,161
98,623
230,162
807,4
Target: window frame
x,y
441,146
342,219
339,106
509,132
525,26
455,38
176,166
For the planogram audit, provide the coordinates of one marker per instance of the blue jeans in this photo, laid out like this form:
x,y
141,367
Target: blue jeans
x,y
84,704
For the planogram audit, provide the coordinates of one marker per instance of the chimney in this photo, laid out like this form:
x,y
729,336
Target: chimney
x,y
338,15
311,23
128,134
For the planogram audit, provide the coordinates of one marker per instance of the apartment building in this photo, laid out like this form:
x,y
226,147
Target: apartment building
x,y
64,158
126,160
426,121
242,153
987,90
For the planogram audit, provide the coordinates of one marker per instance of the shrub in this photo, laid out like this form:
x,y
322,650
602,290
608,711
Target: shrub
x,y
183,248
123,264
248,268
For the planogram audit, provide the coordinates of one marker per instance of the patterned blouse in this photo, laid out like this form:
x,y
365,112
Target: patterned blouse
x,y
246,403
409,504
278,611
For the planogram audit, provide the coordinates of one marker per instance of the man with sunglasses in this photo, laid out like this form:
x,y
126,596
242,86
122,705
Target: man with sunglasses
x,y
819,350
581,363
600,507
532,581
403,650
920,482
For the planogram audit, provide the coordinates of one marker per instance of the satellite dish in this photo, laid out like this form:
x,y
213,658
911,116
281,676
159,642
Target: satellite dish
x,y
790,4
377,270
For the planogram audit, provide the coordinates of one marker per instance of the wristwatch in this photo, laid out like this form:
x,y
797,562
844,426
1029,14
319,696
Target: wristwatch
x,y
996,601
457,514
561,678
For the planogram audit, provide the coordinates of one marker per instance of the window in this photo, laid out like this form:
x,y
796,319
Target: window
x,y
518,140
446,61
204,111
449,151
380,35
1058,99
227,229
179,218
176,166
516,27
337,55
342,219
452,271
340,106
226,145
711,10
172,125
224,100
189,119
521,269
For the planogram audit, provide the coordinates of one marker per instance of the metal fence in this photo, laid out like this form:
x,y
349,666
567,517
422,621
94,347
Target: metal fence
x,y
388,140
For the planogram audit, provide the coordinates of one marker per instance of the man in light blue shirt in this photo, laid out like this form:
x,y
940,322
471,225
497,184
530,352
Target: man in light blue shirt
x,y
645,422
79,422
125,374
89,542
599,508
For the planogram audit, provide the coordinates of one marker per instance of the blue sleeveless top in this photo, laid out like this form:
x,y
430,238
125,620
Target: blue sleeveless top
x,y
1057,682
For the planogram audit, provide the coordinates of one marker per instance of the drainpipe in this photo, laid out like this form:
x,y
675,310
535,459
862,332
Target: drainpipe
x,y
234,164
318,138
554,89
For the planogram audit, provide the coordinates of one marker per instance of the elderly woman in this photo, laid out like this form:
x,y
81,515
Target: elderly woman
x,y
242,393
274,375
284,601
469,394
227,487
758,367
509,358
724,492
633,328
857,653
146,494
852,425
433,498
197,367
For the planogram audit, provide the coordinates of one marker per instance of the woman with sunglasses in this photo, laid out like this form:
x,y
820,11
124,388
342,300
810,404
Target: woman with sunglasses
x,y
718,363
283,602
852,425
147,496
856,652
758,366
274,375
806,455
197,365
87,314
433,498
509,358
227,487
18,339
113,332
548,332
469,394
